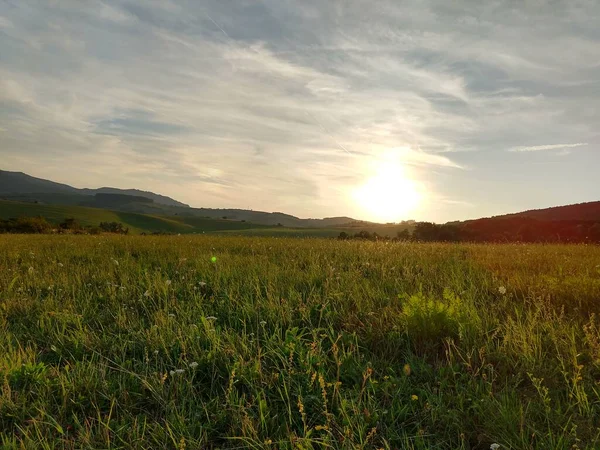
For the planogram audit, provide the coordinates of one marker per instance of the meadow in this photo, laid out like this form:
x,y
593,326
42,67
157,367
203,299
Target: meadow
x,y
192,342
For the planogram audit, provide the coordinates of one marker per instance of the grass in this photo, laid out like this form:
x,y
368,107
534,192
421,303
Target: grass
x,y
146,342
285,232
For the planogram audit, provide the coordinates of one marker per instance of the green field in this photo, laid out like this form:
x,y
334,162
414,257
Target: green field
x,y
137,223
254,342
285,232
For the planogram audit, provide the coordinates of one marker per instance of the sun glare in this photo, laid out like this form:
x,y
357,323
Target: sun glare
x,y
389,195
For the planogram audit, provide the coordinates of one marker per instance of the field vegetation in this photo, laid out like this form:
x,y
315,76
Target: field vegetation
x,y
192,342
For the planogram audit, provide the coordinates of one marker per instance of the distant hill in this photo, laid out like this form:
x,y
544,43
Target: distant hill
x,y
579,223
20,187
271,218
19,183
582,211
160,199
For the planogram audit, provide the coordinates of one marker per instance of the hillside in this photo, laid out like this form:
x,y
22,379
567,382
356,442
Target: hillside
x,y
137,223
582,211
19,183
20,187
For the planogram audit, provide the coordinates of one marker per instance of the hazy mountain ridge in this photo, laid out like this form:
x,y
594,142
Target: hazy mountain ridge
x,y
19,186
18,183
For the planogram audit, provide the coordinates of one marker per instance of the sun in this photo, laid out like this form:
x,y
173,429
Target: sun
x,y
389,194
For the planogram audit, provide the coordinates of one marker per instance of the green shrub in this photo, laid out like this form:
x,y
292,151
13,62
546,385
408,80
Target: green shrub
x,y
429,322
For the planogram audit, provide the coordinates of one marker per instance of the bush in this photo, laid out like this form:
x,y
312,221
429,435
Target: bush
x,y
429,322
113,227
70,225
27,225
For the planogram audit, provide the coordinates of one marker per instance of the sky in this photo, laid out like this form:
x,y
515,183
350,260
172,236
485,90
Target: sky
x,y
387,110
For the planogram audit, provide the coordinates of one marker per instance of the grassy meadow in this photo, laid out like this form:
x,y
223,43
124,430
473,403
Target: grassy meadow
x,y
190,342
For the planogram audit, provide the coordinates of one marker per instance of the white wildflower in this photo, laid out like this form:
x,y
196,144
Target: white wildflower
x,y
179,370
30,270
211,318
60,264
263,323
193,365
171,315
168,282
202,284
155,352
172,372
494,446
116,262
147,294
502,290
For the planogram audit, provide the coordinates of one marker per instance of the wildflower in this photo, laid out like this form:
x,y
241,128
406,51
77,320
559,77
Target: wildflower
x,y
147,294
502,290
214,259
168,282
179,371
211,318
193,365
202,284
155,352
60,264
171,315
406,369
414,397
263,323
116,262
172,372
494,446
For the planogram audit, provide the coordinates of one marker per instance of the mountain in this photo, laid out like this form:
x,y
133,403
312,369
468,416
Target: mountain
x,y
20,187
160,199
19,183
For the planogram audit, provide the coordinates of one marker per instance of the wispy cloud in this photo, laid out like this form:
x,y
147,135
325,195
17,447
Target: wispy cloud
x,y
539,148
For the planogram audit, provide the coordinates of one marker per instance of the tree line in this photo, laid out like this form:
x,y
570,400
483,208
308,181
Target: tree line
x,y
39,225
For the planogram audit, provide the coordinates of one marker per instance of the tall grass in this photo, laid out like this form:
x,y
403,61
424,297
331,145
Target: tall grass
x,y
234,342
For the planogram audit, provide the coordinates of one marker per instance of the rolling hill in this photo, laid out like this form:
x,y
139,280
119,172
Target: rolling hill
x,y
582,211
20,187
19,183
137,223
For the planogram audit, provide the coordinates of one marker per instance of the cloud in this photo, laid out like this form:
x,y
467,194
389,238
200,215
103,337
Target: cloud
x,y
538,148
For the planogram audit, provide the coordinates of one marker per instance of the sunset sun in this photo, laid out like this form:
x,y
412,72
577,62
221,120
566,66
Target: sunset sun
x,y
389,194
